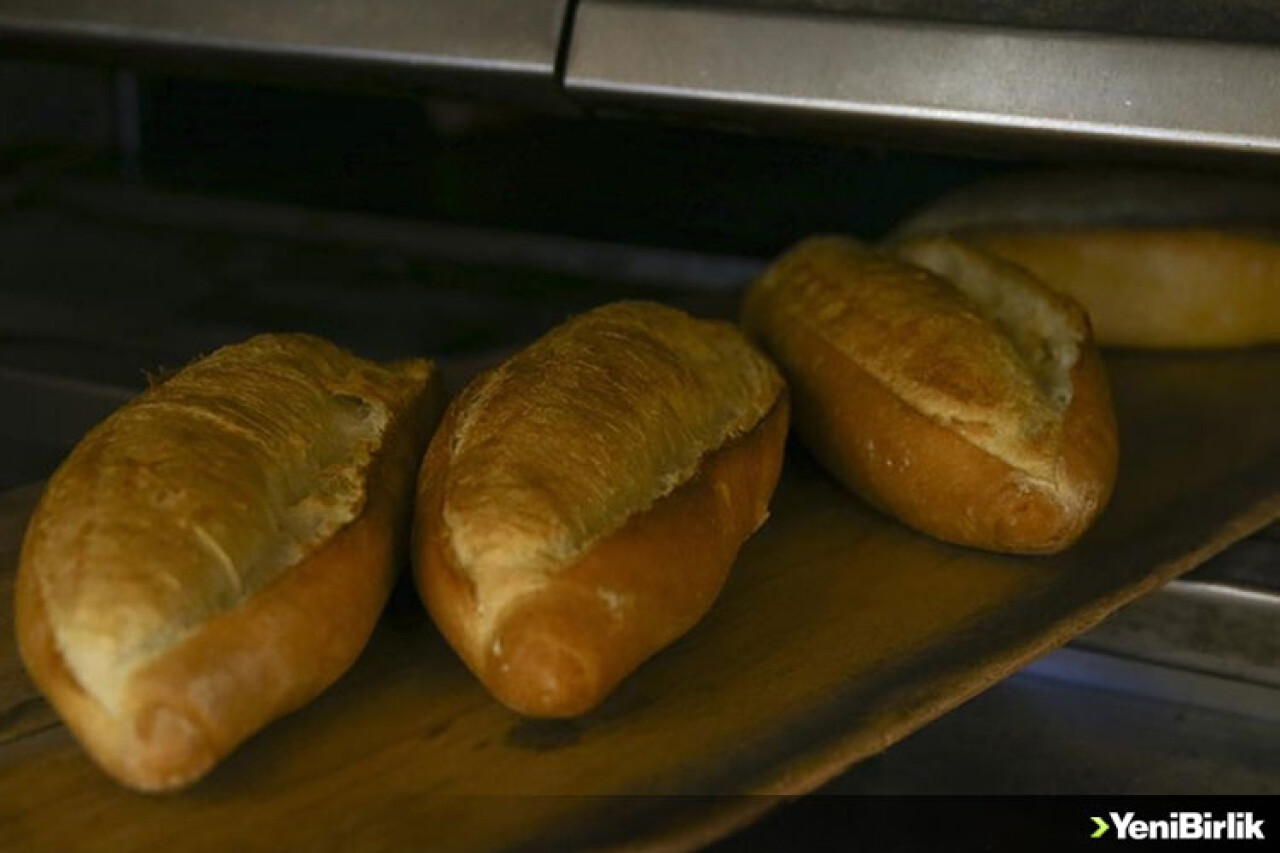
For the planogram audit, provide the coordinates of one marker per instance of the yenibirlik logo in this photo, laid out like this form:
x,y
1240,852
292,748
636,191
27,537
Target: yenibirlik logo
x,y
1182,826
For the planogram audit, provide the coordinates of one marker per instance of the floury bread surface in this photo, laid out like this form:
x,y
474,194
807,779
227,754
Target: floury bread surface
x,y
582,503
216,552
945,386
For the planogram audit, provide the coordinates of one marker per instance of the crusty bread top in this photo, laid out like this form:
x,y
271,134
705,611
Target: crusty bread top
x,y
202,490
1045,327
591,424
986,351
1101,198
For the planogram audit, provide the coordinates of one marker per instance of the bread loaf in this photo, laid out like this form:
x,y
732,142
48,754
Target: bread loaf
x,y
582,503
1158,260
946,387
216,552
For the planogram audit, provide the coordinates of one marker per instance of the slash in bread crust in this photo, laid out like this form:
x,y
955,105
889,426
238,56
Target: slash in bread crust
x,y
967,400
581,505
153,599
590,425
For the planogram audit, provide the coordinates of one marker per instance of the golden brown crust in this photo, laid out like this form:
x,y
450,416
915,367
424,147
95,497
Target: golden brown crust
x,y
1166,260
553,638
1100,198
559,650
561,444
1157,287
887,441
183,706
917,334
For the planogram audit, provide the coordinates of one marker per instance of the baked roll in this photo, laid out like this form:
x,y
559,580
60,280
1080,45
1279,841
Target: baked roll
x,y
582,503
216,553
1159,260
946,387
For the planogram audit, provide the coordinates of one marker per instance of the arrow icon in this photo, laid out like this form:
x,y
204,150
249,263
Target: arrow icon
x,y
1102,828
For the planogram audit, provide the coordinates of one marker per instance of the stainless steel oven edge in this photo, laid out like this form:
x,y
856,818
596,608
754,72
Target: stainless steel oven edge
x,y
469,46
924,77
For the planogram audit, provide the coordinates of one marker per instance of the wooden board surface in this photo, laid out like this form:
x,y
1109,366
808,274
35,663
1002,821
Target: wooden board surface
x,y
839,633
